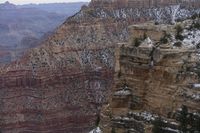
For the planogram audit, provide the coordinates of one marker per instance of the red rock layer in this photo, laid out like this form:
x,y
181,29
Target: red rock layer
x,y
51,100
61,86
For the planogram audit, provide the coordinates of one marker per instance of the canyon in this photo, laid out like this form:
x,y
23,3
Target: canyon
x,y
87,68
23,27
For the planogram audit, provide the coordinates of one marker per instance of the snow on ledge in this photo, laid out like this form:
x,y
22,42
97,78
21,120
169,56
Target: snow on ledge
x,y
96,130
196,85
170,129
123,93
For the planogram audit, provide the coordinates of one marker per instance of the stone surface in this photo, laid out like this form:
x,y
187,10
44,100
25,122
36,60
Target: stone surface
x,y
155,79
62,85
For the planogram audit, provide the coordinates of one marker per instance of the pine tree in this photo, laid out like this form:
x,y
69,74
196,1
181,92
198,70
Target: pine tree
x,y
157,126
97,121
113,130
183,119
137,42
179,31
195,123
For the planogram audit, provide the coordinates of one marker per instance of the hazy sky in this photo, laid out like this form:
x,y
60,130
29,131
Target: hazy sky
x,y
39,1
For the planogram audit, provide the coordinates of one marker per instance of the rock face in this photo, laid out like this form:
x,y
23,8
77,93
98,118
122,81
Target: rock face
x,y
55,89
62,85
144,10
151,81
141,3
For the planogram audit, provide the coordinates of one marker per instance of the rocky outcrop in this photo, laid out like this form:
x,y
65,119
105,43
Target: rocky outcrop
x,y
150,81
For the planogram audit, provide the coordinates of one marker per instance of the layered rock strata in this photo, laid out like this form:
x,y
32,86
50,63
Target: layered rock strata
x,y
61,97
151,80
62,85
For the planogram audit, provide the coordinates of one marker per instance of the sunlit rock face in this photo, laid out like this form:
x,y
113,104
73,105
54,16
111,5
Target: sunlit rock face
x,y
152,80
62,85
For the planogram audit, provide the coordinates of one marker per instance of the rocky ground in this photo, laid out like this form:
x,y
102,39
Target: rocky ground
x,y
62,85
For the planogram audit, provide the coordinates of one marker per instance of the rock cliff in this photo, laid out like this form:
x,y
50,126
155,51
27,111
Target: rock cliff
x,y
152,79
62,85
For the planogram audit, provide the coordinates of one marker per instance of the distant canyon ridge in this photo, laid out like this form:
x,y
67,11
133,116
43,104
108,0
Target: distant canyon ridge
x,y
25,26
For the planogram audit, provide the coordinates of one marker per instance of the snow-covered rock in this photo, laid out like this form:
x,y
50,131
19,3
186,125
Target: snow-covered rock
x,y
96,130
173,11
192,38
147,43
167,14
172,130
147,116
196,85
122,92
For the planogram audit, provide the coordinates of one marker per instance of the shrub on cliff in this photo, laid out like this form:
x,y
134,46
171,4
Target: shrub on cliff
x,y
113,130
158,125
179,31
189,122
165,38
194,122
196,15
90,12
195,25
136,42
183,119
178,44
97,121
119,74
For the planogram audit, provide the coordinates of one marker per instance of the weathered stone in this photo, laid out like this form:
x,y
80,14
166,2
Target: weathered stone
x,y
160,88
62,85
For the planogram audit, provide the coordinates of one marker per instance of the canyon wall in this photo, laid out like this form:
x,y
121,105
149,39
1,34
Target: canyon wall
x,y
61,97
143,3
62,85
151,81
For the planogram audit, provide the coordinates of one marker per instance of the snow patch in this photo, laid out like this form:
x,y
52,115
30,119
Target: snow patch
x,y
147,43
147,116
192,38
196,96
96,130
170,129
196,85
173,11
122,92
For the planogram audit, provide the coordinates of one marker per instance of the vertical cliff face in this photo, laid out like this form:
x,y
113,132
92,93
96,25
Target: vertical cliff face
x,y
62,85
152,80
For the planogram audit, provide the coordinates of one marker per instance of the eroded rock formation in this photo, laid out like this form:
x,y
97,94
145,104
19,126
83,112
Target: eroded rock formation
x,y
152,80
62,85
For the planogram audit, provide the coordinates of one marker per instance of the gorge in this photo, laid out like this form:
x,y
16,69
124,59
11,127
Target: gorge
x,y
90,67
